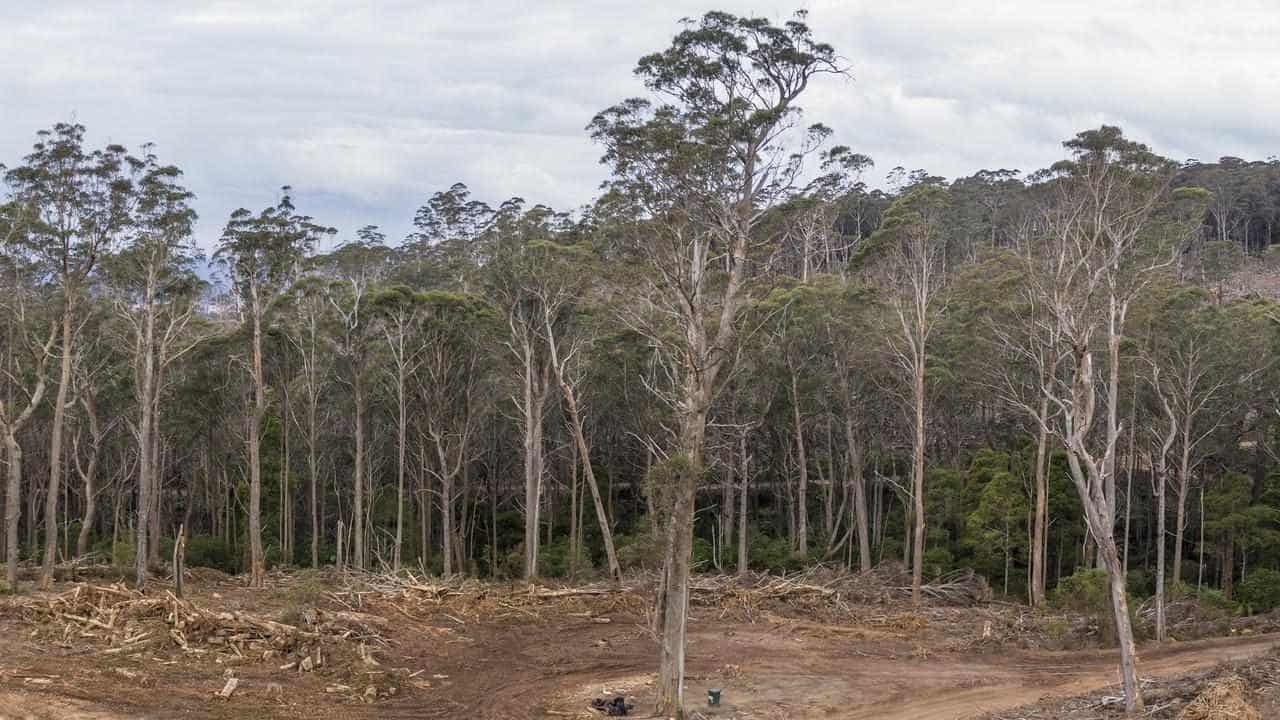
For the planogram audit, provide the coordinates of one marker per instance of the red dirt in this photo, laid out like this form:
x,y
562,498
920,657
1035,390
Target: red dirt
x,y
443,666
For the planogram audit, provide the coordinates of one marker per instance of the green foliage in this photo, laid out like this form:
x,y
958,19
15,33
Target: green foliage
x,y
1215,598
554,560
1212,601
938,560
701,555
1087,591
1260,590
640,551
1140,583
124,553
1084,591
771,554
211,552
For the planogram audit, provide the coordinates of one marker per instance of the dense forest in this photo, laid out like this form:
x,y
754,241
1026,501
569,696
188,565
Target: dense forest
x,y
755,350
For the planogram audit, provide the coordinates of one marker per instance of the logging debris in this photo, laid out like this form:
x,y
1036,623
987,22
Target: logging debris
x,y
128,621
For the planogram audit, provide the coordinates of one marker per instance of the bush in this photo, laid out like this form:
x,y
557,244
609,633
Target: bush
x,y
640,551
771,554
1088,592
1141,583
1213,597
937,561
211,552
702,556
1084,591
123,554
554,559
1260,591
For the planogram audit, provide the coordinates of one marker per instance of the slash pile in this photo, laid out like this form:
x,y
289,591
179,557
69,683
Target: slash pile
x,y
128,621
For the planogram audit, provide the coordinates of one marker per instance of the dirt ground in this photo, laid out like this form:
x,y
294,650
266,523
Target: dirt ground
x,y
496,652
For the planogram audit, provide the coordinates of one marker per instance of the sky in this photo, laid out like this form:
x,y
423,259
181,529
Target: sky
x,y
367,108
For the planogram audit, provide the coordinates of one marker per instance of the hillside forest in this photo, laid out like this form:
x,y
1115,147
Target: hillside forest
x,y
756,349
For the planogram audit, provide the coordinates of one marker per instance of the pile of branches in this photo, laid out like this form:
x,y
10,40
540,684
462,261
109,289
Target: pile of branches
x,y
1226,698
817,592
827,586
128,621
469,600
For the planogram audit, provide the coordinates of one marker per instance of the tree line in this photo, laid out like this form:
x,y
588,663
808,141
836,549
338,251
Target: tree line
x,y
740,356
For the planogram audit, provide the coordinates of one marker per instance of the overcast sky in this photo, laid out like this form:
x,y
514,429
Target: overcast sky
x,y
366,108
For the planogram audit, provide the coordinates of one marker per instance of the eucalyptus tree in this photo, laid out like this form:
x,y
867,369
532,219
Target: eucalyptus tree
x,y
796,318
912,265
101,387
850,331
452,371
308,313
993,312
518,288
262,255
450,240
1183,334
29,346
154,287
1097,256
697,170
353,271
398,310
77,202
562,282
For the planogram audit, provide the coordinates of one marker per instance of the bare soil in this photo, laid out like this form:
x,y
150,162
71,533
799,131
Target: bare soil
x,y
496,653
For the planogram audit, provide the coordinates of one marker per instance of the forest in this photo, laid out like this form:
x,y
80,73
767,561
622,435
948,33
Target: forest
x,y
755,351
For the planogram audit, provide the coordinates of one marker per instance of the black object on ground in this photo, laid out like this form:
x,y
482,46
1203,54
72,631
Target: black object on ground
x,y
616,707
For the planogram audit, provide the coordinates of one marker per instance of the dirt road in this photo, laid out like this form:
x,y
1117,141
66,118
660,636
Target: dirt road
x,y
771,675
1050,675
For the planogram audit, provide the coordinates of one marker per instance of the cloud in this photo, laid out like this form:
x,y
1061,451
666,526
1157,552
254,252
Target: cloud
x,y
367,108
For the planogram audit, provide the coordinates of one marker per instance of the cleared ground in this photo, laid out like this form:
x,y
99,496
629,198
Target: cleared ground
x,y
496,651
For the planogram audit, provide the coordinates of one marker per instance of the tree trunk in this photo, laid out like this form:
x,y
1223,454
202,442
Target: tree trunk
x,y
615,571
917,476
157,481
1200,571
90,509
257,565
580,439
1124,629
859,495
446,520
742,508
55,446
1160,560
402,425
575,541
12,509
534,397
313,470
802,474
1180,498
357,513
1039,539
424,490
673,598
90,477
727,509
146,411
1160,479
